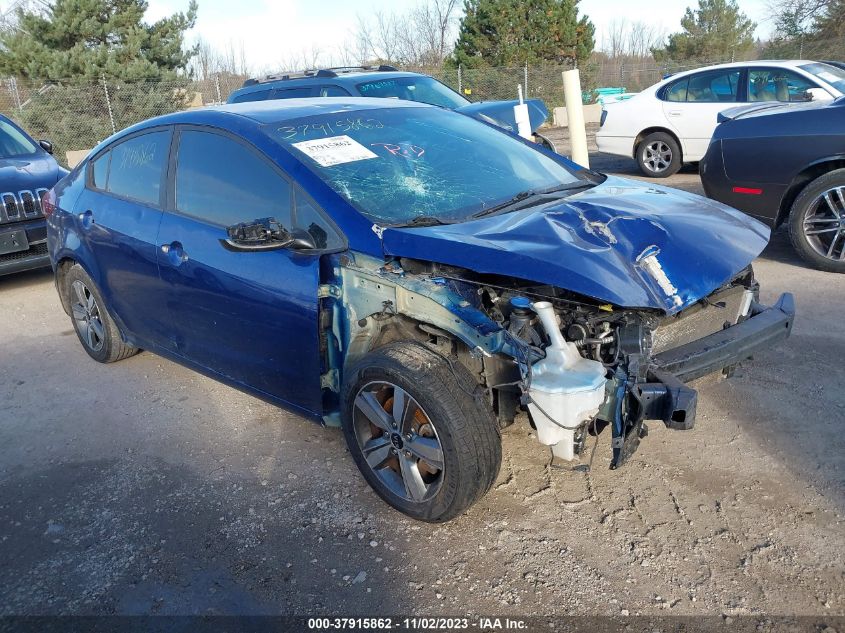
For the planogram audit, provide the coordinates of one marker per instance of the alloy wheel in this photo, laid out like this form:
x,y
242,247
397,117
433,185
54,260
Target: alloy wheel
x,y
86,315
398,441
824,224
657,156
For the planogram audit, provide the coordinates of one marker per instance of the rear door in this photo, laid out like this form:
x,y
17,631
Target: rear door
x,y
118,215
692,104
248,316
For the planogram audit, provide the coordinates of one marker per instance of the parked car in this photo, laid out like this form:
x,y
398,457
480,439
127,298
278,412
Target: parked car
x,y
671,123
399,270
386,82
27,171
785,165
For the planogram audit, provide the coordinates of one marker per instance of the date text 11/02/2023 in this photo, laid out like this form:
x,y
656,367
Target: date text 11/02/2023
x,y
418,623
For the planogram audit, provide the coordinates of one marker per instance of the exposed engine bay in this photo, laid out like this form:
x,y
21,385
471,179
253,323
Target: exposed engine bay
x,y
575,365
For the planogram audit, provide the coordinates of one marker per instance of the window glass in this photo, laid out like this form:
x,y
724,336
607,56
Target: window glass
x,y
777,84
293,93
415,88
833,75
713,87
100,170
223,182
677,91
258,95
333,91
396,164
13,142
137,166
311,219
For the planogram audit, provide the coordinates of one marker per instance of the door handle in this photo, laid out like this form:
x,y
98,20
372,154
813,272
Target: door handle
x,y
174,253
86,218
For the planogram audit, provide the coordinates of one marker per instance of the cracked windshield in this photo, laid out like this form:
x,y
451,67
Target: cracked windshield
x,y
398,164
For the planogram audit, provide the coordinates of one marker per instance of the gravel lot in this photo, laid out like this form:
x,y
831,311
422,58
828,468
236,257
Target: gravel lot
x,y
144,488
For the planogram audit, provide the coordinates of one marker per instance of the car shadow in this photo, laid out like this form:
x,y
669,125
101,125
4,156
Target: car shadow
x,y
25,279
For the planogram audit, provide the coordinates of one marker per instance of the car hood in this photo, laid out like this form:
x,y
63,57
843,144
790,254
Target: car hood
x,y
501,113
625,243
28,173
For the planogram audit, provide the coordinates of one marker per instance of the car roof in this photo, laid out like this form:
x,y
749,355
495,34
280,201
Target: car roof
x,y
778,63
345,77
263,112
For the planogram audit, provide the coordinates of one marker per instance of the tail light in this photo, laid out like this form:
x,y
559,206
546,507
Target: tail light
x,y
48,203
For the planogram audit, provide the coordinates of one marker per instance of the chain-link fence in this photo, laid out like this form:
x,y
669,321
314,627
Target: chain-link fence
x,y
77,115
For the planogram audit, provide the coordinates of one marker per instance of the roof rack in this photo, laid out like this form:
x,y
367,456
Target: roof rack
x,y
333,71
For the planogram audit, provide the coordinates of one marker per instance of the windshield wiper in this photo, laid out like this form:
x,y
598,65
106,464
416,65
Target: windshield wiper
x,y
424,220
526,198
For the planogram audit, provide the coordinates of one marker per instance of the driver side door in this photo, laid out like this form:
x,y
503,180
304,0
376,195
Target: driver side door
x,y
247,316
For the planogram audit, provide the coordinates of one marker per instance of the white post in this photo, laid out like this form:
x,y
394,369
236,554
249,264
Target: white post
x,y
520,114
575,117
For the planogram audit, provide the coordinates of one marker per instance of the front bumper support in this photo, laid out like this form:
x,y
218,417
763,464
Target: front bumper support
x,y
665,397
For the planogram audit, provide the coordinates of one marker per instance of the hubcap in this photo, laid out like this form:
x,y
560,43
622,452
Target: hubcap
x,y
398,441
824,224
657,156
86,316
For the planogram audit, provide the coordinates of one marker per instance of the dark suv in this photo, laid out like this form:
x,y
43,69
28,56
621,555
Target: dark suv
x,y
388,82
27,171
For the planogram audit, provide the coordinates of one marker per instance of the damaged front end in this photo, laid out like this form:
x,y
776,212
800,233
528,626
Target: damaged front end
x,y
576,365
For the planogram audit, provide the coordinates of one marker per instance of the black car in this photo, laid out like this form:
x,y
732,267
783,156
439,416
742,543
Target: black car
x,y
785,164
27,171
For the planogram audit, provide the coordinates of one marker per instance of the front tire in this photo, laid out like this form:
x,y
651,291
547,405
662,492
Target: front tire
x,y
94,326
659,155
421,435
817,222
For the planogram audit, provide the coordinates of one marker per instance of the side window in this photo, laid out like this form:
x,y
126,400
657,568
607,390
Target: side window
x,y
678,91
292,93
137,166
258,95
223,182
713,87
777,84
308,216
333,91
100,170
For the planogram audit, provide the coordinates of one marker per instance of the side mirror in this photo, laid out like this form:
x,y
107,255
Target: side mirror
x,y
47,146
265,235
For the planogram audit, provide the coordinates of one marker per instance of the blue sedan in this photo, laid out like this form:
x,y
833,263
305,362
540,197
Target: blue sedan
x,y
412,275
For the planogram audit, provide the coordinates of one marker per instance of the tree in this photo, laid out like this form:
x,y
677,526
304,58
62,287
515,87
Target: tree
x,y
718,30
422,36
517,32
92,38
812,29
74,47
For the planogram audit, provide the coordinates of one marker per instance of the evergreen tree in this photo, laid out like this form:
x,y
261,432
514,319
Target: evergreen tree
x,y
75,39
716,31
516,32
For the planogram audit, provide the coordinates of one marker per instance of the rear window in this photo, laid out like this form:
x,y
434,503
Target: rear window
x,y
416,88
137,167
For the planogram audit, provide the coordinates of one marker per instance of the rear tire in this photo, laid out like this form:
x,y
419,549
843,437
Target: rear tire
x,y
421,440
817,222
659,155
94,326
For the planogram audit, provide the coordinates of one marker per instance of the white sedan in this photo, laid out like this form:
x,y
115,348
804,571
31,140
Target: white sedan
x,y
671,123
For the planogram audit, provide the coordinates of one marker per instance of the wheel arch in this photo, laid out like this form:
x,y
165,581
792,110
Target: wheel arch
x,y
651,130
802,179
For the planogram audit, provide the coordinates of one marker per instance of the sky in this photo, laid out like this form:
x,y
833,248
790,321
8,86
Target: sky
x,y
275,31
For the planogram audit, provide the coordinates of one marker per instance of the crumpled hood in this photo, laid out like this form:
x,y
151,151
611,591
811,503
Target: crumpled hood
x,y
625,243
18,174
501,113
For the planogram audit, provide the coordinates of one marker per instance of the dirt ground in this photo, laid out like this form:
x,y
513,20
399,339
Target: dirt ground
x,y
144,488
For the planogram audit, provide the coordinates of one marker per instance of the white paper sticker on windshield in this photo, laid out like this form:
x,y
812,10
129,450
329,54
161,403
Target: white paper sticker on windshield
x,y
334,150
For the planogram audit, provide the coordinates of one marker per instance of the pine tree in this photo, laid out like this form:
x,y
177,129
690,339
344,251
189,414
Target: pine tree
x,y
89,39
716,31
517,32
